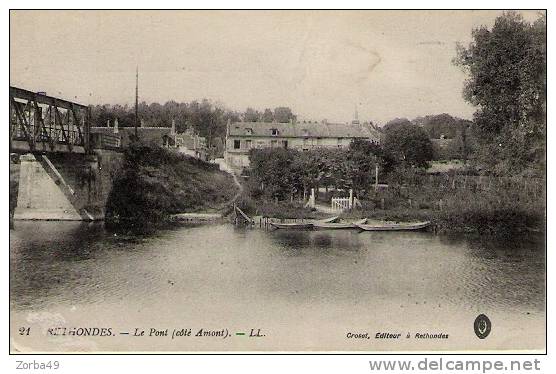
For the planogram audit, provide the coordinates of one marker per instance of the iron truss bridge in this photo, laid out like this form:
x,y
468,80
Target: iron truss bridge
x,y
41,123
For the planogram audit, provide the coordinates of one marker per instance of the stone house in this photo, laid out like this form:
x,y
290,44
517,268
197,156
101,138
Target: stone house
x,y
303,136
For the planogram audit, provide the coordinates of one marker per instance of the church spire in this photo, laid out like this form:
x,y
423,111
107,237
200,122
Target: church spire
x,y
355,116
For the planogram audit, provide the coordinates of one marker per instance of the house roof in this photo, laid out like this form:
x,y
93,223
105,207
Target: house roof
x,y
294,130
146,134
131,130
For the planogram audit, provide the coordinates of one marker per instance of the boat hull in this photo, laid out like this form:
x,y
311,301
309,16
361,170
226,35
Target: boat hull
x,y
292,226
395,227
330,225
334,226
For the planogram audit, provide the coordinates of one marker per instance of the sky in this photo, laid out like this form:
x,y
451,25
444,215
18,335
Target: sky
x,y
322,64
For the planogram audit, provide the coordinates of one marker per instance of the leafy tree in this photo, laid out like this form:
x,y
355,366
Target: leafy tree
x,y
395,123
409,144
268,116
363,158
441,125
251,115
283,114
507,82
274,169
308,166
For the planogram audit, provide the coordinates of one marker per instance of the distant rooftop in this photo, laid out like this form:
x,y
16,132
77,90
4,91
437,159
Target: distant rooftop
x,y
300,129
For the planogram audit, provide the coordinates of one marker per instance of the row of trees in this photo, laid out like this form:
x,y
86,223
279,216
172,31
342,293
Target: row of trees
x,y
284,173
280,174
280,114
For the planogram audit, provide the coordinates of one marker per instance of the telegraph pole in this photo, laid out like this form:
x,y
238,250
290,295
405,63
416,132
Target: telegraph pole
x,y
136,101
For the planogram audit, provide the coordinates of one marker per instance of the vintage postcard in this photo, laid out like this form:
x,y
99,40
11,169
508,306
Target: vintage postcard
x,y
277,181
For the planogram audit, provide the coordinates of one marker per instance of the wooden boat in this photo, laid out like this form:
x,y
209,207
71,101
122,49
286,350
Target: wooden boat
x,y
302,225
292,226
329,224
404,226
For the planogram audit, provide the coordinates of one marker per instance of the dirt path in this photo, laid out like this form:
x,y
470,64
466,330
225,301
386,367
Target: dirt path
x,y
224,167
239,185
326,209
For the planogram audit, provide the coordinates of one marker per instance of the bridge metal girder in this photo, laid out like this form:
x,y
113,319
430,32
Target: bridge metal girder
x,y
62,125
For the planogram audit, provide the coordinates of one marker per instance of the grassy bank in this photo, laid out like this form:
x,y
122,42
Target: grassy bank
x,y
155,182
499,210
454,206
280,209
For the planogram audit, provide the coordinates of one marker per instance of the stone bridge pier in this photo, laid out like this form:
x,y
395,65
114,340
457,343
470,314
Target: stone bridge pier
x,y
63,186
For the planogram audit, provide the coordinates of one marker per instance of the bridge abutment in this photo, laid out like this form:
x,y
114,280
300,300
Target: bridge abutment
x,y
65,186
40,196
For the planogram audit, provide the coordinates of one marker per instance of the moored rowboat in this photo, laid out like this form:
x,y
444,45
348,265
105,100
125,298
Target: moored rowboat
x,y
329,224
406,226
292,226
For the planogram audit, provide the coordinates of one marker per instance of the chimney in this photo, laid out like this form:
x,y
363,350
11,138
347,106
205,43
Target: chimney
x,y
108,123
116,130
173,130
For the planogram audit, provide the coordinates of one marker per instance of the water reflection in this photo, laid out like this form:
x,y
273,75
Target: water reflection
x,y
316,242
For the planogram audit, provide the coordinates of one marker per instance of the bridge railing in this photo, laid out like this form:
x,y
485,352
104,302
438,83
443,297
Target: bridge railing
x,y
41,122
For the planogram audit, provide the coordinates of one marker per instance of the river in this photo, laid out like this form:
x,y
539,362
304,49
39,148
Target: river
x,y
292,290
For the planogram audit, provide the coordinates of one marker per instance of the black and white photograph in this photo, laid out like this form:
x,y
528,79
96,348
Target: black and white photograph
x,y
270,181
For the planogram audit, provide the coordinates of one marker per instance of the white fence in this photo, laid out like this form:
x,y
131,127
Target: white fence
x,y
341,203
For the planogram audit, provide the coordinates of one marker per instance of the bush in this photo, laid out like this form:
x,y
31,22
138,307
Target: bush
x,y
155,182
504,208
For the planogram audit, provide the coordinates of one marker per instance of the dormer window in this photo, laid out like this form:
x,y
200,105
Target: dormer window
x,y
248,131
274,132
305,132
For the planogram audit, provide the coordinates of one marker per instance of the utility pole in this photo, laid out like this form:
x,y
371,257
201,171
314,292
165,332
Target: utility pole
x,y
376,176
136,101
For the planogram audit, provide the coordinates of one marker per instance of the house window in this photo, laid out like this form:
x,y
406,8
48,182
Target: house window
x,y
274,132
285,144
237,144
248,144
273,143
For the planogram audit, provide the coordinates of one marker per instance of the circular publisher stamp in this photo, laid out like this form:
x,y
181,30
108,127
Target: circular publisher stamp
x,y
482,326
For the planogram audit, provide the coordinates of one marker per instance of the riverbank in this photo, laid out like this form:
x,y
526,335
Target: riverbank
x,y
503,222
156,183
498,211
277,209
